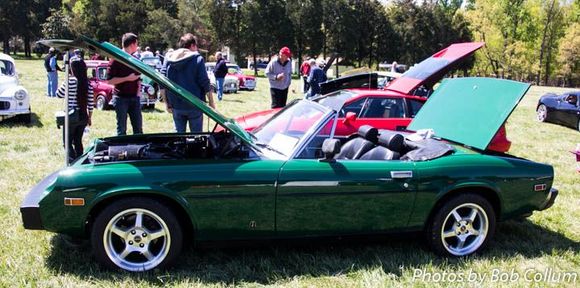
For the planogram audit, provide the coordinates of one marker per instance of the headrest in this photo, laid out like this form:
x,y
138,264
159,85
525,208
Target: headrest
x,y
369,132
393,141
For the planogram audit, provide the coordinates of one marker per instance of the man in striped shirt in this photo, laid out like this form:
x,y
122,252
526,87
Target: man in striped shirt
x,y
80,99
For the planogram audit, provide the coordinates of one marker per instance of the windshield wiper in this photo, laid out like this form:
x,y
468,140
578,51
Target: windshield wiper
x,y
264,145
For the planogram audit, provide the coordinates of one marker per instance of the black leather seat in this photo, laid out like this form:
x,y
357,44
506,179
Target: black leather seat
x,y
355,148
391,147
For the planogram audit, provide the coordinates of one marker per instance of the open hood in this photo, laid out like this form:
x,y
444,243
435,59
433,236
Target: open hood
x,y
469,111
432,69
105,48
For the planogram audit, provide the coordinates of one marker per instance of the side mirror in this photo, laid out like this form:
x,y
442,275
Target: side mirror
x,y
350,117
330,147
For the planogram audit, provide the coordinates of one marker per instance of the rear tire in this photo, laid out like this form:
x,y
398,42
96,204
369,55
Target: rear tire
x,y
136,234
542,113
463,225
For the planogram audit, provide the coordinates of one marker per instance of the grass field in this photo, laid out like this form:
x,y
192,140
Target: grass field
x,y
548,242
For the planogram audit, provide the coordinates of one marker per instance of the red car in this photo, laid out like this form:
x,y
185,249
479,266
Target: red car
x,y
103,91
392,108
246,82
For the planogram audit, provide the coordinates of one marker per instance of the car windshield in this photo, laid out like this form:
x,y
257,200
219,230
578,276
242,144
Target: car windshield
x,y
286,129
234,69
426,68
6,68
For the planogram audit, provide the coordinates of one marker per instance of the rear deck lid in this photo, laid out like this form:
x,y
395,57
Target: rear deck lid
x,y
469,111
432,69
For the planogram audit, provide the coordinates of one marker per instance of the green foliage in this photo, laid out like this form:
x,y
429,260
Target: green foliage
x,y
568,55
57,25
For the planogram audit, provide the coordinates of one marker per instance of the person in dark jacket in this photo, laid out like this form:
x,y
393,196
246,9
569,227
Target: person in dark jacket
x,y
51,67
220,71
316,77
186,67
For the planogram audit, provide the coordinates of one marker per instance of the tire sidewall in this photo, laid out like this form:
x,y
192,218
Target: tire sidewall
x,y
155,206
433,231
104,100
545,111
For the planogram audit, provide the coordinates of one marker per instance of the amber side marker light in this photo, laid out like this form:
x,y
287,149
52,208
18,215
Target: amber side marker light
x,y
74,202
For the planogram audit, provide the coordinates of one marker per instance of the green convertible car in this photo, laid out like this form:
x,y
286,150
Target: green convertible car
x,y
141,198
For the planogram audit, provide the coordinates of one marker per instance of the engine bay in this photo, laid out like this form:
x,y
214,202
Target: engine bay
x,y
221,145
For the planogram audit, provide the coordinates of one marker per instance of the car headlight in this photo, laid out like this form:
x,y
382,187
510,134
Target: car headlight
x,y
150,90
20,94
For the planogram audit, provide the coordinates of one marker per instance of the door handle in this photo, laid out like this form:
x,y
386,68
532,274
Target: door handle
x,y
401,174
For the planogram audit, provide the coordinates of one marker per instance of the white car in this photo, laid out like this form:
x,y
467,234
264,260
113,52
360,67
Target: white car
x,y
14,99
230,83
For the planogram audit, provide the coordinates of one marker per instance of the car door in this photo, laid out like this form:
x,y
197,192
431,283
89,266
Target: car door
x,y
230,199
343,197
567,110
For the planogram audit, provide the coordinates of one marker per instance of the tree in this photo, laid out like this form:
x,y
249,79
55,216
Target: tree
x,y
57,26
569,55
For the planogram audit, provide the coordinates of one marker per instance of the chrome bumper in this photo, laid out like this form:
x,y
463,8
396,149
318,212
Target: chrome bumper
x,y
550,199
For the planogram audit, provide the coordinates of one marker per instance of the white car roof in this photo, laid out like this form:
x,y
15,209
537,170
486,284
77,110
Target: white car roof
x,y
6,57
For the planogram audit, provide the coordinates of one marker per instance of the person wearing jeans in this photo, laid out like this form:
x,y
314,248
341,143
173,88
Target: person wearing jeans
x,y
220,71
126,82
128,106
186,67
182,118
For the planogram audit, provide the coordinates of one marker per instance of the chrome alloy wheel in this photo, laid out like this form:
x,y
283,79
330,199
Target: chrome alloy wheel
x,y
464,229
542,113
136,240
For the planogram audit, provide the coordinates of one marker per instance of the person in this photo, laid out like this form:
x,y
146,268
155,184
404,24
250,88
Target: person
x,y
279,73
137,53
316,77
159,56
51,67
97,56
220,71
80,98
394,67
147,53
186,67
304,72
126,82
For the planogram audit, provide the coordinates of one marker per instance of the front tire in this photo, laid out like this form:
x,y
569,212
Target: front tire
x,y
542,113
463,225
101,103
136,234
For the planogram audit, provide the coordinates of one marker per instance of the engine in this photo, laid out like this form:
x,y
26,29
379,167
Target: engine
x,y
178,147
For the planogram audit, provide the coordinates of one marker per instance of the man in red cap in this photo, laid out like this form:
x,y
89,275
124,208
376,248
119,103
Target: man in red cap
x,y
279,73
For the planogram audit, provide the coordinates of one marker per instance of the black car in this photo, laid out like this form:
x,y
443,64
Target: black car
x,y
562,109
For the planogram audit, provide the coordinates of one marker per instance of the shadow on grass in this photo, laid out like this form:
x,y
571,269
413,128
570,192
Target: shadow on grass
x,y
19,121
284,260
232,100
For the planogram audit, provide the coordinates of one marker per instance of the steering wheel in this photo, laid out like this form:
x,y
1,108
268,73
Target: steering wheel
x,y
230,146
